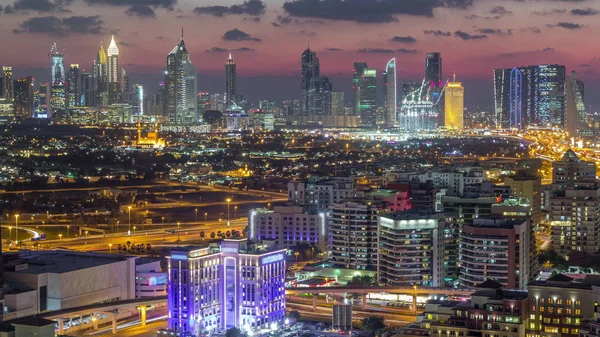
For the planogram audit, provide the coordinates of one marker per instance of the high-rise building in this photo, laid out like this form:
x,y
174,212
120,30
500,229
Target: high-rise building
x,y
321,193
574,206
100,82
527,186
7,83
454,107
113,72
390,92
41,110
337,103
236,283
511,98
433,78
182,86
576,119
230,81
74,87
138,99
311,78
57,81
23,100
353,232
411,249
88,94
549,95
366,94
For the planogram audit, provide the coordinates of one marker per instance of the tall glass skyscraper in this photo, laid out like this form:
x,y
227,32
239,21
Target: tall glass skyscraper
x,y
100,81
433,77
230,81
181,86
23,102
57,81
576,119
113,73
365,93
311,78
390,93
7,83
74,87
510,98
454,107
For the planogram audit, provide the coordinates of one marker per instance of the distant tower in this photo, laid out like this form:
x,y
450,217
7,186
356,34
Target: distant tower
x,y
390,93
311,81
23,99
74,86
57,81
516,99
365,93
454,106
7,83
101,77
113,73
230,81
181,86
576,115
433,77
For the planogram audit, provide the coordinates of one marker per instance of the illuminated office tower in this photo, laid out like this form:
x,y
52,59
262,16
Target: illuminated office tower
x,y
337,103
181,86
23,100
41,110
454,107
57,81
311,78
113,73
138,101
101,77
88,94
365,93
549,100
230,81
390,93
7,83
576,119
74,87
433,78
511,98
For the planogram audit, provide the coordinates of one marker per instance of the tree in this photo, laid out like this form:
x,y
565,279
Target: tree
x,y
213,235
202,234
235,332
362,280
294,314
373,323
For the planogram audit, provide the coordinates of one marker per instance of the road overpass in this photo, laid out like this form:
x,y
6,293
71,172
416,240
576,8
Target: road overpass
x,y
413,291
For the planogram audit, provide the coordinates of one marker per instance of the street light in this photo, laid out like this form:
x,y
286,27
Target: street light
x,y
205,215
178,224
129,211
296,253
196,210
68,227
228,202
9,233
110,248
60,237
16,228
235,212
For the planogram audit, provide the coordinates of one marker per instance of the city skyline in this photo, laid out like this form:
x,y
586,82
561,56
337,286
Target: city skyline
x,y
266,37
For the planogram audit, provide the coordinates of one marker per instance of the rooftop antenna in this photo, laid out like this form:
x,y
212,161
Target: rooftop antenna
x,y
182,33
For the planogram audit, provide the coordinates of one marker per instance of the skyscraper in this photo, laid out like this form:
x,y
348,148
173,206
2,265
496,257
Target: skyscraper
x,y
454,107
230,81
549,95
181,85
7,83
576,119
113,73
138,99
365,93
42,106
311,82
390,93
100,82
357,73
433,77
57,81
337,103
23,103
74,87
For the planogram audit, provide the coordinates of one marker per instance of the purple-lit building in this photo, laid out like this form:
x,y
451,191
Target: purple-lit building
x,y
233,283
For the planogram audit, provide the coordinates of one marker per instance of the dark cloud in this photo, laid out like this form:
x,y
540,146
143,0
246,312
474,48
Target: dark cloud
x,y
237,35
375,50
585,65
40,6
250,7
368,11
333,49
224,50
436,33
467,36
406,51
483,17
493,31
275,24
168,4
500,11
526,52
584,11
566,25
127,44
535,30
160,38
51,25
9,9
403,39
141,11
549,12
307,33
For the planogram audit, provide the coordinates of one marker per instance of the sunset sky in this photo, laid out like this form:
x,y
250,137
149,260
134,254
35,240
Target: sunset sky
x,y
267,38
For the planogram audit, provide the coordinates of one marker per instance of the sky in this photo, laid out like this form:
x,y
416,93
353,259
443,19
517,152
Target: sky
x,y
267,38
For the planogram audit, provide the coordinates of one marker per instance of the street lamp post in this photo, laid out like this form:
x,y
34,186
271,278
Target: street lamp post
x,y
68,227
228,202
9,233
235,212
129,216
110,248
196,211
205,215
60,237
16,228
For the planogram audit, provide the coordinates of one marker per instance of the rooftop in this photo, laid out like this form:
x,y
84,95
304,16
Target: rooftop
x,y
58,262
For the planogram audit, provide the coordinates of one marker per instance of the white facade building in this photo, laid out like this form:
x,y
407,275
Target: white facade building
x,y
321,193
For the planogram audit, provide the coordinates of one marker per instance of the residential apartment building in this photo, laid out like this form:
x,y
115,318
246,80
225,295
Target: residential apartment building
x,y
411,249
321,193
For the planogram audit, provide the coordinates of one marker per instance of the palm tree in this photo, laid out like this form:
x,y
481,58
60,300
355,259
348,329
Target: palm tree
x,y
228,234
213,235
202,234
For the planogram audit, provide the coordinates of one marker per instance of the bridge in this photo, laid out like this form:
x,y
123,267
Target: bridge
x,y
110,309
413,291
